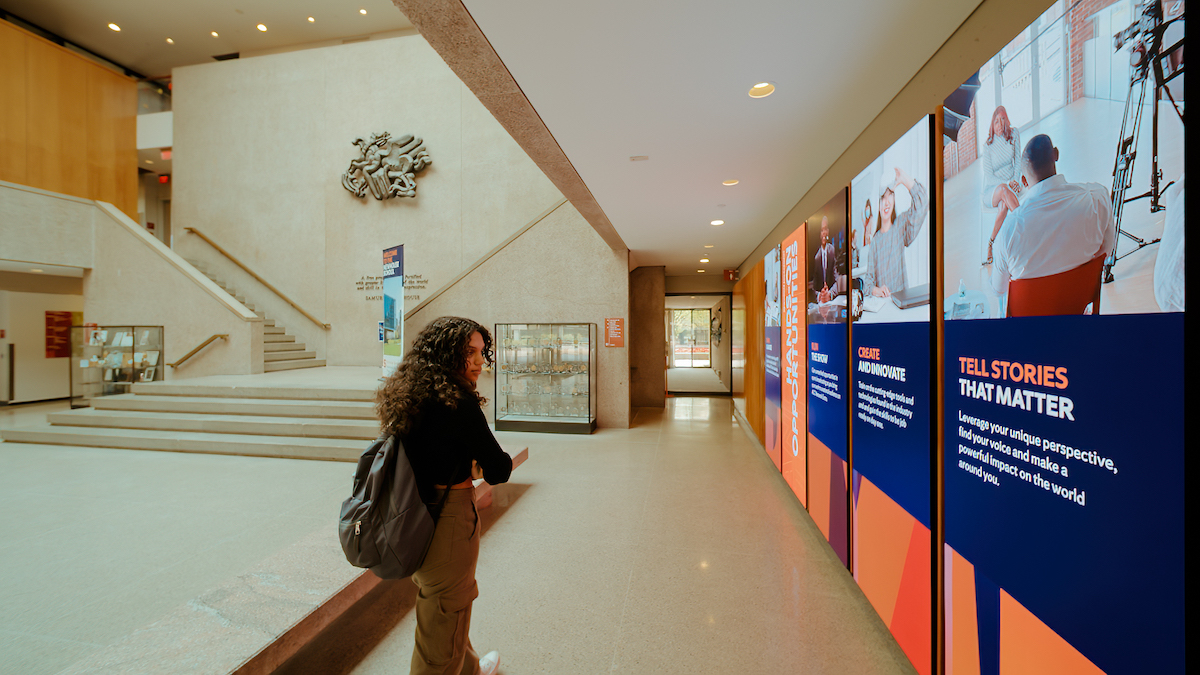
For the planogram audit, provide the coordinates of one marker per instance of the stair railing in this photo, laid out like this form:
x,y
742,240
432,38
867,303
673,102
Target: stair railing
x,y
260,280
202,345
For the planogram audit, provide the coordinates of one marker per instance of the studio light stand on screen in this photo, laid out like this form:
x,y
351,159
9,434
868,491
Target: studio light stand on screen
x,y
1146,54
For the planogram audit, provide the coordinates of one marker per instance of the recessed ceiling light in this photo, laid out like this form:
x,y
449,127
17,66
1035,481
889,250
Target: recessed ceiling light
x,y
214,34
262,27
704,260
170,41
700,271
149,161
708,246
35,270
718,222
731,181
114,27
762,89
310,19
362,11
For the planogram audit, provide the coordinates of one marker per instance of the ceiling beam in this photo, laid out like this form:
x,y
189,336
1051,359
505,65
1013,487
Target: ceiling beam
x,y
454,35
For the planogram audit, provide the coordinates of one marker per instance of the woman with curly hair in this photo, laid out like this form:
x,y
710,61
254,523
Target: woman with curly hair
x,y
431,404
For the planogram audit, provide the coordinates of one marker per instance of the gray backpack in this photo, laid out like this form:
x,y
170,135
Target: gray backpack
x,y
384,525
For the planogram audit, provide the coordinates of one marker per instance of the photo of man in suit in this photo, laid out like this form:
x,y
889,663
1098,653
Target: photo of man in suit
x,y
824,267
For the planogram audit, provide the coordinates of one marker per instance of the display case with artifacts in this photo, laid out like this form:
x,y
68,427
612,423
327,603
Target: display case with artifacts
x,y
545,377
108,360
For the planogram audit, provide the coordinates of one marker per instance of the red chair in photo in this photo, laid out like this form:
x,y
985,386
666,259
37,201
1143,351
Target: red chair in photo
x,y
1063,293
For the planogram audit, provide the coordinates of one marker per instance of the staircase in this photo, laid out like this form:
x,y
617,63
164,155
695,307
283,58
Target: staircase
x,y
295,422
280,350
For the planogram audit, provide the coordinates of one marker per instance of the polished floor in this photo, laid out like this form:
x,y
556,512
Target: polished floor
x,y
694,380
670,547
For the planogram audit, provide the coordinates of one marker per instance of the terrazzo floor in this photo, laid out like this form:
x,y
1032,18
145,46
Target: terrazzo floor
x,y
670,547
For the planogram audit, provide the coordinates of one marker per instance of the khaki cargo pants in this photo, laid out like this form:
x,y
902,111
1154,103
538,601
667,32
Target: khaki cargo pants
x,y
446,589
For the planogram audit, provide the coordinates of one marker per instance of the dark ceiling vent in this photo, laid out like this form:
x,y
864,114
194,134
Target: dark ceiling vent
x,y
226,57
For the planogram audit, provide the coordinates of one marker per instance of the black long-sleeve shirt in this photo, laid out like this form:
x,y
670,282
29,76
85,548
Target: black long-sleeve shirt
x,y
442,443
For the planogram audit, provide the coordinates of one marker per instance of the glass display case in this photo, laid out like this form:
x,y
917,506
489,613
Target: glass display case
x,y
107,360
545,377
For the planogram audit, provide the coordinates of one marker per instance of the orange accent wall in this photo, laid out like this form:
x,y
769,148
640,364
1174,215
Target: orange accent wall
x,y
67,124
753,288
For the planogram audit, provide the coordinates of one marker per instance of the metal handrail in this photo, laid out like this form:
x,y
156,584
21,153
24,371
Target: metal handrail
x,y
262,281
202,345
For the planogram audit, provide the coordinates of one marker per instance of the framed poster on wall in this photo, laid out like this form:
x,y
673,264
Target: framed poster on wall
x,y
828,338
794,395
1063,394
772,359
892,400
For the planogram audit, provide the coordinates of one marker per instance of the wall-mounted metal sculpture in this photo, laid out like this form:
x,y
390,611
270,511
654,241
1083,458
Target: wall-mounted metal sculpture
x,y
386,166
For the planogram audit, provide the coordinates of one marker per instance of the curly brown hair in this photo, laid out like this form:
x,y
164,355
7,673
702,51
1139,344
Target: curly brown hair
x,y
432,370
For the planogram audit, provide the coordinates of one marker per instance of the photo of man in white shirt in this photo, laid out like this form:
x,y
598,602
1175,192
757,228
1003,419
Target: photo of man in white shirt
x,y
1058,226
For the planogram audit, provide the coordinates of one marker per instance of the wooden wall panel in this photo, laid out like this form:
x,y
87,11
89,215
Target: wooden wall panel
x,y
57,137
753,288
67,124
13,64
112,140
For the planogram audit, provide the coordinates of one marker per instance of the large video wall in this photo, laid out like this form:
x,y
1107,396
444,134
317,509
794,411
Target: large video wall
x,y
978,397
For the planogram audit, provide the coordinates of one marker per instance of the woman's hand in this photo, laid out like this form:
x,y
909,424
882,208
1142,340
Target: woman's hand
x,y
902,178
476,470
880,291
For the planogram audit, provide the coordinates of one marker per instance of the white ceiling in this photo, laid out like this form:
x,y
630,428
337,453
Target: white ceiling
x,y
145,26
671,79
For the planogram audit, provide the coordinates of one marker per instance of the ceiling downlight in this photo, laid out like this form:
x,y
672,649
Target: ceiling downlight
x,y
762,90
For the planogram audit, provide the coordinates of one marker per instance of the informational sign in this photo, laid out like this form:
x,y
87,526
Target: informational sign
x,y
1064,415
58,334
614,332
772,357
794,398
892,402
393,308
828,397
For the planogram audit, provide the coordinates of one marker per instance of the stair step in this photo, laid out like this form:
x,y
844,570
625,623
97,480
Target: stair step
x,y
273,330
302,393
271,357
278,338
292,365
269,347
364,430
358,410
266,322
345,450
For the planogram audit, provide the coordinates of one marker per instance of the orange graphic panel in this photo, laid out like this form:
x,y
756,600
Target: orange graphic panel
x,y
818,489
962,628
1030,647
882,531
911,621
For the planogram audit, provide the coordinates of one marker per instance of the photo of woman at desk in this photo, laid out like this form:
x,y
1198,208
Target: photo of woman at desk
x,y
891,273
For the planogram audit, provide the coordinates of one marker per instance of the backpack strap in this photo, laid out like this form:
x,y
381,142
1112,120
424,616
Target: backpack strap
x,y
442,504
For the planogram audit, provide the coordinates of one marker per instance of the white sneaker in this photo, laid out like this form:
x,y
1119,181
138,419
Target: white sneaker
x,y
490,663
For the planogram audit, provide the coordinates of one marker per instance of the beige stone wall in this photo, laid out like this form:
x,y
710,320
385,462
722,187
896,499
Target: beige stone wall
x,y
140,282
39,226
260,146
560,271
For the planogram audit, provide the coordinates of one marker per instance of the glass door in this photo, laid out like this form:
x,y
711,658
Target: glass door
x,y
690,346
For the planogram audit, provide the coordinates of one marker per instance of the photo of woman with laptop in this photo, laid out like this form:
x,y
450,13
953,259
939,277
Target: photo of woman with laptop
x,y
891,273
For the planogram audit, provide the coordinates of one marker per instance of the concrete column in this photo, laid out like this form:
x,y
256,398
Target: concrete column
x,y
647,337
